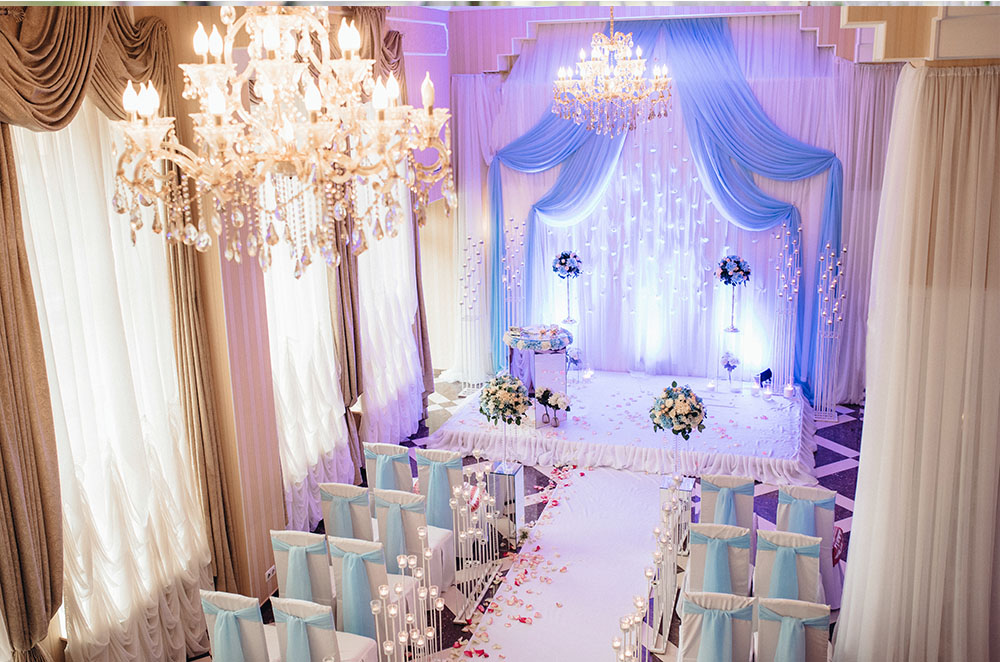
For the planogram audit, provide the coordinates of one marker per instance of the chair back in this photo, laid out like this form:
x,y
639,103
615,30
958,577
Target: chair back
x,y
439,472
796,516
720,559
305,631
792,630
716,627
346,511
787,566
388,467
235,627
727,500
302,563
399,539
353,599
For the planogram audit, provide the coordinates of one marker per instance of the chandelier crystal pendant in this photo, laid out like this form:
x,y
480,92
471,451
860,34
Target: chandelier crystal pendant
x,y
297,145
610,93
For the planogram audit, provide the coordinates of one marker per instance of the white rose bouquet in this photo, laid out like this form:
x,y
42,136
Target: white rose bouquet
x,y
504,399
553,399
679,410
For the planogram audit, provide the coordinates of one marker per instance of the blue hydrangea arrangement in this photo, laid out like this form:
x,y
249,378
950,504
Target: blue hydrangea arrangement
x,y
733,270
679,410
567,264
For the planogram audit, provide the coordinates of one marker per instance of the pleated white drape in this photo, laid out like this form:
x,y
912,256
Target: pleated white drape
x,y
923,582
135,545
312,433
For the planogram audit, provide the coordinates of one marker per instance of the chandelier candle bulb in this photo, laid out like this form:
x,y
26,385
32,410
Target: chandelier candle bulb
x,y
427,93
130,99
271,38
201,43
215,44
392,89
380,99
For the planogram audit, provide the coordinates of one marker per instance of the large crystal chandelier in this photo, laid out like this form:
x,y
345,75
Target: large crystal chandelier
x,y
291,144
611,94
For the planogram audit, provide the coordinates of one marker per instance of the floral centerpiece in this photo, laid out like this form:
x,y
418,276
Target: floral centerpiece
x,y
730,363
567,266
733,270
553,400
679,410
504,399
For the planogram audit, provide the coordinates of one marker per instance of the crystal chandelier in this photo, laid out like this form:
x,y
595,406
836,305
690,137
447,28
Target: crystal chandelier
x,y
611,95
296,145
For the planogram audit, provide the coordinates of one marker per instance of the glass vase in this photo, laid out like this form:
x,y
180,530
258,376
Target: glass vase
x,y
569,311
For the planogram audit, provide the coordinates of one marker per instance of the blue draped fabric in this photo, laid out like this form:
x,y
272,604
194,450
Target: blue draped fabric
x,y
340,512
725,504
716,642
297,582
226,642
718,578
395,539
297,633
438,490
355,591
784,573
791,637
385,474
802,512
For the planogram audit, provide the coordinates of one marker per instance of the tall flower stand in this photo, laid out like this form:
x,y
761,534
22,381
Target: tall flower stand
x,y
730,346
506,484
569,309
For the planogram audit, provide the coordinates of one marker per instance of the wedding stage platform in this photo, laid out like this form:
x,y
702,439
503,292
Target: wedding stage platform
x,y
608,426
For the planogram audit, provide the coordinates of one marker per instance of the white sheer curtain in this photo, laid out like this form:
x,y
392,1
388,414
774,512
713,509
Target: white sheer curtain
x,y
923,582
312,433
135,545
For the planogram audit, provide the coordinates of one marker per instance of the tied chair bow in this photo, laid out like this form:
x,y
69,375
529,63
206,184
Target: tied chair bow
x,y
343,521
297,633
802,512
725,503
792,635
784,573
439,490
717,576
385,475
395,538
356,591
716,643
226,642
298,585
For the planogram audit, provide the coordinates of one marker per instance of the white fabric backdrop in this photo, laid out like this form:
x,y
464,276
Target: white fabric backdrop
x,y
923,582
135,545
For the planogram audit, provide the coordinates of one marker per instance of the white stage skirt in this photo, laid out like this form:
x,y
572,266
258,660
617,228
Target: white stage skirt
x,y
609,426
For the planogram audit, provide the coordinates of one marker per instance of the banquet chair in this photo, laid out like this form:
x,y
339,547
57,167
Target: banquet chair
x,y
388,467
720,559
401,525
792,630
787,566
810,511
717,627
302,563
358,572
306,634
727,500
235,628
346,511
438,473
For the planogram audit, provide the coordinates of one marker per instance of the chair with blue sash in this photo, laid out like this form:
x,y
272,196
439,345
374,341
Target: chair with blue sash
x,y
387,467
727,500
720,559
358,572
346,511
438,473
811,512
792,631
302,564
787,566
401,519
716,627
235,628
306,634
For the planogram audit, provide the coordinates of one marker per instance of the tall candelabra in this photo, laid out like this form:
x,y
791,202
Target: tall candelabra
x,y
470,313
513,277
831,316
789,269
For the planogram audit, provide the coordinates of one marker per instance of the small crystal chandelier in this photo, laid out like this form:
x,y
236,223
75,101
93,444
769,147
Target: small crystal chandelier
x,y
296,145
611,95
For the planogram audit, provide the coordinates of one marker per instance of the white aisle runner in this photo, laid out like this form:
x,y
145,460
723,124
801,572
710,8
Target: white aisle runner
x,y
564,601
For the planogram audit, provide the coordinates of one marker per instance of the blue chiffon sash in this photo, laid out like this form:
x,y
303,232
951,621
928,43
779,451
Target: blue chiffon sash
x,y
717,575
297,582
725,504
784,574
439,490
340,512
716,643
226,642
355,590
297,633
802,513
385,475
395,540
792,636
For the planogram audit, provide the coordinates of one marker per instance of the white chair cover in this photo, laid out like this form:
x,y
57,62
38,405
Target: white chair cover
x,y
377,575
402,471
324,644
252,639
441,541
743,502
318,564
361,521
816,638
806,567
832,578
739,558
691,625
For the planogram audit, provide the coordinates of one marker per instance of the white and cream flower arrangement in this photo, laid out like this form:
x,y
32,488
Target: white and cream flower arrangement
x,y
504,399
679,410
554,400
